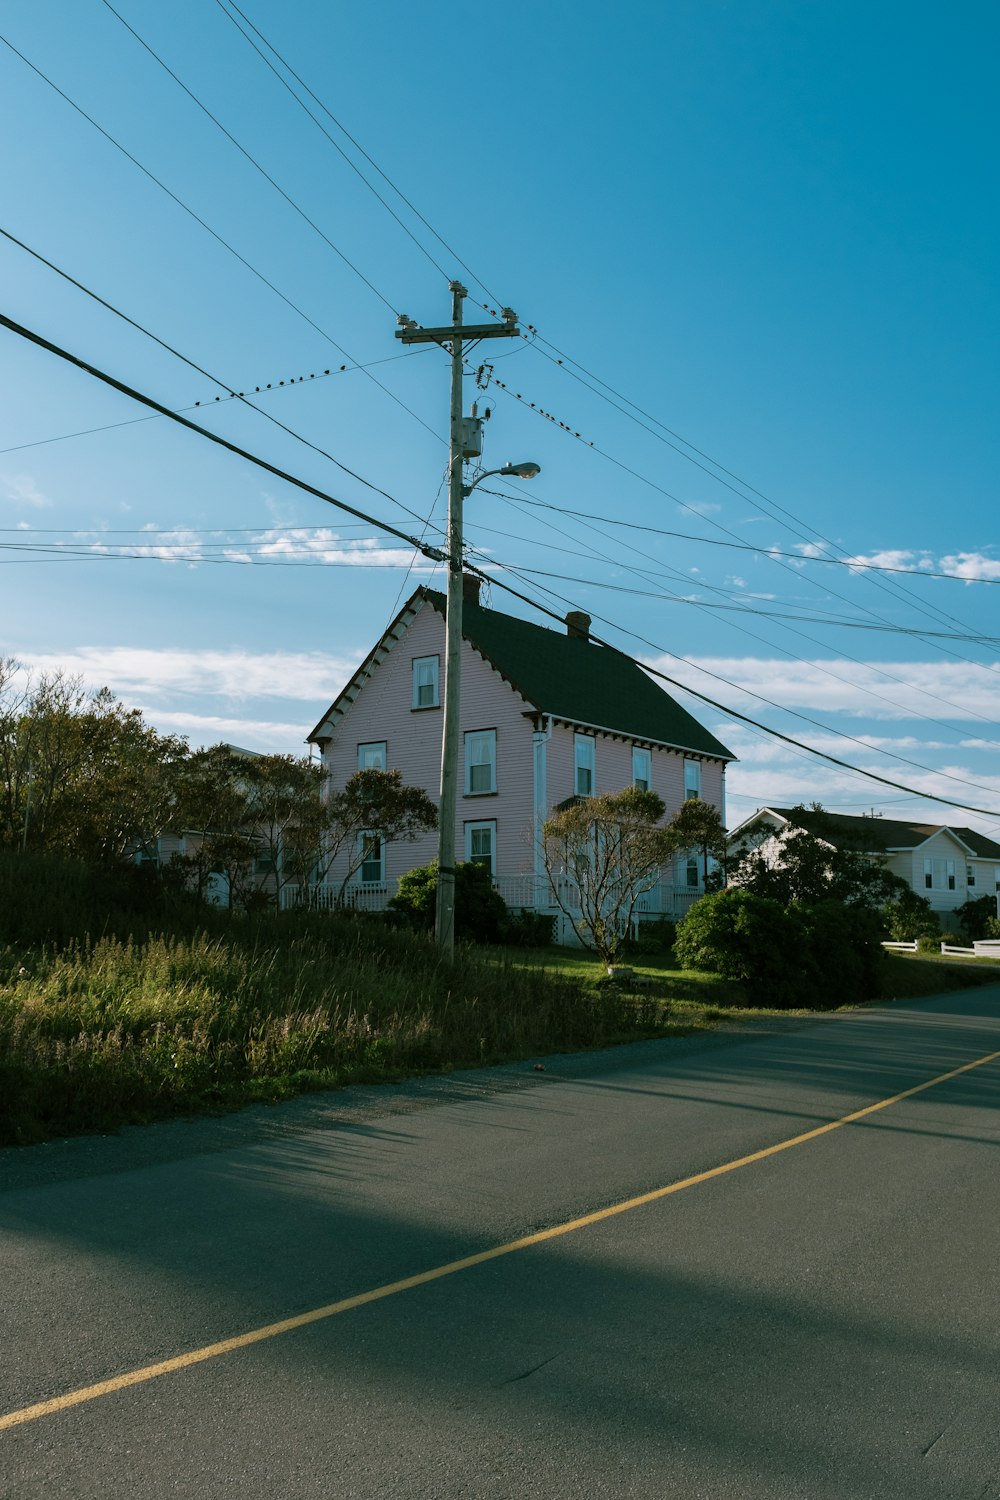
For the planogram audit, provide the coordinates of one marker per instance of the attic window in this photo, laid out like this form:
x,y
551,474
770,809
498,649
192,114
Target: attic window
x,y
425,682
692,779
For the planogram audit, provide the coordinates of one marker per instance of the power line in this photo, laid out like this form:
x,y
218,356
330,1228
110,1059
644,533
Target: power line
x,y
734,713
437,556
271,387
213,437
354,142
216,236
889,676
235,395
855,565
252,160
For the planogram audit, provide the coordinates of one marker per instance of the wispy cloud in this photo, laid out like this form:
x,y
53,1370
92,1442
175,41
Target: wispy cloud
x,y
859,688
148,677
21,489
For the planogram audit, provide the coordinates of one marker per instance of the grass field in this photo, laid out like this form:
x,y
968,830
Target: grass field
x,y
98,1034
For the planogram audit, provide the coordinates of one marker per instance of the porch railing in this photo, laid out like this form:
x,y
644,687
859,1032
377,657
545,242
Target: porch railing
x,y
521,892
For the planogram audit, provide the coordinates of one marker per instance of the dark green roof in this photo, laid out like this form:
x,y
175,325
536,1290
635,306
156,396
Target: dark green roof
x,y
886,833
579,681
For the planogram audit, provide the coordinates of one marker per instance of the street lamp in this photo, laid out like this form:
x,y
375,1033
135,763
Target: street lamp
x,y
526,470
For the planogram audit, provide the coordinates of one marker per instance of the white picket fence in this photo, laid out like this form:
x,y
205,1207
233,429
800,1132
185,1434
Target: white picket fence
x,y
986,948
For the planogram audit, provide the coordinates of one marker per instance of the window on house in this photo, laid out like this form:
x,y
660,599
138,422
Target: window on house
x,y
692,779
372,757
970,876
264,864
372,868
691,870
928,874
480,761
642,774
481,845
996,876
584,752
950,868
425,682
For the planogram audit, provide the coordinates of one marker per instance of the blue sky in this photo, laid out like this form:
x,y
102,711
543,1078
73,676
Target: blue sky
x,y
772,227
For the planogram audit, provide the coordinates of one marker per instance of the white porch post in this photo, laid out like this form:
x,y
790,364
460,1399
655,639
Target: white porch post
x,y
540,740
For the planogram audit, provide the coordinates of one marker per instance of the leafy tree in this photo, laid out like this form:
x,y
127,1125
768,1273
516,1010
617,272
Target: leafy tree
x,y
370,802
212,809
698,825
79,775
974,917
908,916
610,849
805,863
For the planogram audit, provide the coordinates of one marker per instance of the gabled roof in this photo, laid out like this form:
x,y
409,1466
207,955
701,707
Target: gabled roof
x,y
560,675
883,834
580,682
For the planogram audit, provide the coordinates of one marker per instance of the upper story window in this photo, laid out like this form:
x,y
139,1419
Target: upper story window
x,y
692,779
642,769
372,851
425,682
584,756
928,874
372,757
950,869
970,876
480,761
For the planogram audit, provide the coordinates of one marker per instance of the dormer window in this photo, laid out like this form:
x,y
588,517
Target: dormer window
x,y
425,682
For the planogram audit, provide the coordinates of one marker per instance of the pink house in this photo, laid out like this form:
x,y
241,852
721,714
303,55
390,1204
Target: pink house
x,y
546,715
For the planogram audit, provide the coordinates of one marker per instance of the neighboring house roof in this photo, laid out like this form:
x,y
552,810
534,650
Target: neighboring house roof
x,y
883,835
564,676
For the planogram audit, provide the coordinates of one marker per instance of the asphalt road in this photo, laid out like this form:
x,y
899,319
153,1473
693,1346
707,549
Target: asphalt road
x,y
821,1322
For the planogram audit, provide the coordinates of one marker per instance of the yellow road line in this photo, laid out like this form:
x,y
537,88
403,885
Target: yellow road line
x,y
318,1314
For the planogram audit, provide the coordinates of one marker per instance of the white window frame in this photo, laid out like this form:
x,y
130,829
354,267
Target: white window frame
x,y
928,874
692,778
476,742
362,879
486,825
431,679
949,874
642,768
584,759
970,875
366,764
692,872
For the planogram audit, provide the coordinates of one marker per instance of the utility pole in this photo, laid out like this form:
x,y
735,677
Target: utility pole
x,y
452,338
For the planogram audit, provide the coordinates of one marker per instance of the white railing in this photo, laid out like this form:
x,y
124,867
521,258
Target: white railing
x,y
521,893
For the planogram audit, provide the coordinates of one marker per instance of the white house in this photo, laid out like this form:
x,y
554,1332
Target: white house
x,y
946,865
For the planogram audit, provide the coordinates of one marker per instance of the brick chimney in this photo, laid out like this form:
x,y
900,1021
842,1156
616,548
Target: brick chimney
x,y
578,625
470,588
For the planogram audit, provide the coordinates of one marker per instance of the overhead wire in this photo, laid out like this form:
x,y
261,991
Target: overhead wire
x,y
192,364
252,159
436,555
216,236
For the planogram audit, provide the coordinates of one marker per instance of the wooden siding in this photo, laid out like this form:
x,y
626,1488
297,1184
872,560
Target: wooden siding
x,y
383,711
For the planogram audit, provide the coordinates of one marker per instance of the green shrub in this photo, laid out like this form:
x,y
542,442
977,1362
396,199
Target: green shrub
x,y
750,938
658,936
908,915
845,954
927,944
480,911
